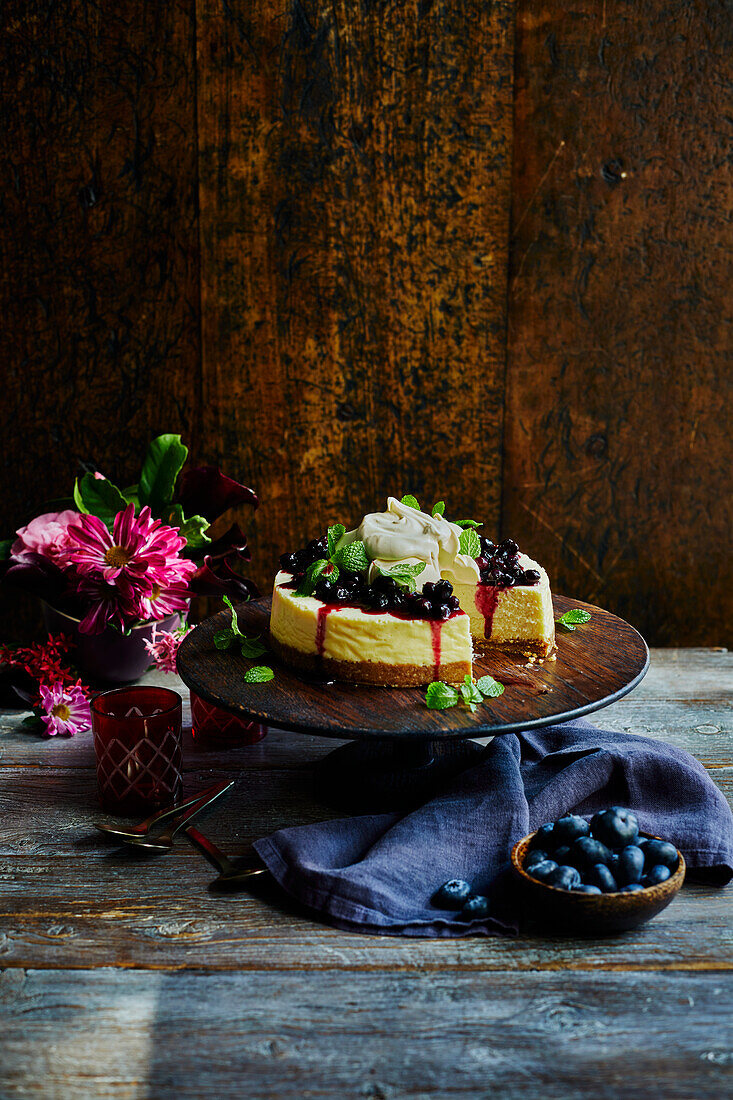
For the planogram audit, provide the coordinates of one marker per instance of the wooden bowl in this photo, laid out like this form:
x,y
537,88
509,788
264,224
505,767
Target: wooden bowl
x,y
591,914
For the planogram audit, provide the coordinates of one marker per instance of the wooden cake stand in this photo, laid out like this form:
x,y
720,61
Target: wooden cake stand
x,y
399,751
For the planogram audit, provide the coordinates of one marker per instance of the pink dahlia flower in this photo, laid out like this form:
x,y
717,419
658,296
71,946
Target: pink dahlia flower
x,y
138,553
164,600
109,604
47,535
65,709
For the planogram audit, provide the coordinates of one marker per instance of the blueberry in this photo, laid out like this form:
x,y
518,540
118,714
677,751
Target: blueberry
x,y
599,875
586,851
428,589
453,603
540,871
441,612
630,865
443,589
476,906
535,856
482,562
615,827
570,827
508,546
531,576
325,590
612,864
566,878
289,563
586,888
660,851
340,594
544,837
452,895
631,888
424,607
380,601
658,874
562,854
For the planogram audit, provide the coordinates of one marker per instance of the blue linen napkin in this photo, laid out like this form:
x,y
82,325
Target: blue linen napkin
x,y
376,873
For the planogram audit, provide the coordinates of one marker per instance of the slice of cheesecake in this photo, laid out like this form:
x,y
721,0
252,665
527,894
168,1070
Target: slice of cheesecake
x,y
398,600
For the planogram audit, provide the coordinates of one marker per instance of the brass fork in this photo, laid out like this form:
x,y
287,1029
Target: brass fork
x,y
180,814
233,873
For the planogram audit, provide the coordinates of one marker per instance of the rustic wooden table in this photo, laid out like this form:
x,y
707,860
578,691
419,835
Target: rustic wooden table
x,y
122,977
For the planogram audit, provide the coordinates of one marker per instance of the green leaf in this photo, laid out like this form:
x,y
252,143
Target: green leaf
x,y
573,617
163,463
194,531
466,523
253,647
440,696
235,622
131,496
335,534
470,543
5,545
470,693
404,573
439,508
98,497
352,557
260,674
312,573
224,638
411,502
33,720
490,687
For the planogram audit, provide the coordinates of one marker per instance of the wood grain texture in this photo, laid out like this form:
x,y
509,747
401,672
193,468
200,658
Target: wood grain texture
x,y
598,661
272,1037
618,441
354,167
98,242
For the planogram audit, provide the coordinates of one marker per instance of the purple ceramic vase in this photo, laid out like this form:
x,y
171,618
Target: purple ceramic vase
x,y
110,656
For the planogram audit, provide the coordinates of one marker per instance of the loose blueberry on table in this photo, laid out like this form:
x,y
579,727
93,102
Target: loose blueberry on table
x,y
605,856
457,894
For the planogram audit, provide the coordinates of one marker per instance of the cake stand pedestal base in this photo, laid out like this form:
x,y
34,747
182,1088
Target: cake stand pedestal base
x,y
382,775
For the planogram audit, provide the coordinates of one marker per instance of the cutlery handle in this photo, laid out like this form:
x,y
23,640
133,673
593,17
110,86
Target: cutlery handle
x,y
205,796
214,855
196,807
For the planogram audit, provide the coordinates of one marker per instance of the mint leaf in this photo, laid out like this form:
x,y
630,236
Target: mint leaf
x,y
335,534
308,584
163,463
411,502
439,508
404,573
470,693
571,618
224,638
235,623
466,523
259,674
253,647
440,696
352,557
98,497
490,687
469,543
5,545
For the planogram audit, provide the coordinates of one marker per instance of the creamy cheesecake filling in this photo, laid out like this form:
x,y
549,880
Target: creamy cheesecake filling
x,y
511,616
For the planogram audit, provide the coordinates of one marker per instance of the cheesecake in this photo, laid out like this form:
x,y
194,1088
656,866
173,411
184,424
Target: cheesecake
x,y
402,600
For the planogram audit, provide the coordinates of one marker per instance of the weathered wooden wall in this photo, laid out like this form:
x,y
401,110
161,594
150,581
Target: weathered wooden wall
x,y
282,227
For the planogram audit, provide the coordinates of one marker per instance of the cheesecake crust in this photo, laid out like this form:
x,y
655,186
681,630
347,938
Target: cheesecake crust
x,y
370,672
538,647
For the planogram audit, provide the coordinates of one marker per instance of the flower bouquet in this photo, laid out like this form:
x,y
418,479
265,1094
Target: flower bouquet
x,y
110,564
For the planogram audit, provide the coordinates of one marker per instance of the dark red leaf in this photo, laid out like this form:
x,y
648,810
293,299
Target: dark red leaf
x,y
206,491
217,578
233,541
37,575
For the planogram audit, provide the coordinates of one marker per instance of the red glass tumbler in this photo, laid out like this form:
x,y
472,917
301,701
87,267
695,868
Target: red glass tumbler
x,y
220,728
137,741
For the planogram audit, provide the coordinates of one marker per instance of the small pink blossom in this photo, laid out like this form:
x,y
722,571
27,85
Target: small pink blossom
x,y
64,709
47,535
163,648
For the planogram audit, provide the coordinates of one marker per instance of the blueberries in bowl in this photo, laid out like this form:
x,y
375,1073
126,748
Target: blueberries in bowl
x,y
605,856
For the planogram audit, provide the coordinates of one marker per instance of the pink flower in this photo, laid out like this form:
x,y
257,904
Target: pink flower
x,y
162,601
110,605
163,647
47,535
65,710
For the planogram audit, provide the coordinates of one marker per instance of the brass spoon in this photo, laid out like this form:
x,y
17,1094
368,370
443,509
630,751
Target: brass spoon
x,y
232,873
135,832
163,842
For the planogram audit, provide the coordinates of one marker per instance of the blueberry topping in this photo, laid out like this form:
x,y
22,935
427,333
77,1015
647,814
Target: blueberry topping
x,y
531,576
508,546
452,894
476,906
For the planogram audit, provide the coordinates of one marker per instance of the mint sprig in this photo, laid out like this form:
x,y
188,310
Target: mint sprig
x,y
352,557
258,674
223,639
439,508
411,502
440,696
335,534
308,585
573,618
469,543
466,523
405,574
